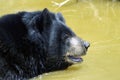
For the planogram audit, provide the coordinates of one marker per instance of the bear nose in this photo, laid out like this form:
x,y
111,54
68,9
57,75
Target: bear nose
x,y
86,44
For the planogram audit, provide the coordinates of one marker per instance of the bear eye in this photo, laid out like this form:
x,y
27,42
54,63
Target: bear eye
x,y
65,36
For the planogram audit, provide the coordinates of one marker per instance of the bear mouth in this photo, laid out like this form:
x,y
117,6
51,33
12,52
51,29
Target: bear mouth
x,y
74,59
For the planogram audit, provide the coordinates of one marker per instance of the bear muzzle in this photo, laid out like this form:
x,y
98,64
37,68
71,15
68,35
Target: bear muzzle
x,y
77,48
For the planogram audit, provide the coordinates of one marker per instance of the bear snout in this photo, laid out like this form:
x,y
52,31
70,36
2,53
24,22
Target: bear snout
x,y
78,46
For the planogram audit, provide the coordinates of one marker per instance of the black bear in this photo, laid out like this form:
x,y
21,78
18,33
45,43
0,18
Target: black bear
x,y
32,43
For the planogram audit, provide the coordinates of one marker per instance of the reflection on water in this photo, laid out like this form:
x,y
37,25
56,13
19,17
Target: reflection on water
x,y
97,21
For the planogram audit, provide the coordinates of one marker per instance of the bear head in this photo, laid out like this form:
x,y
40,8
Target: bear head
x,y
58,44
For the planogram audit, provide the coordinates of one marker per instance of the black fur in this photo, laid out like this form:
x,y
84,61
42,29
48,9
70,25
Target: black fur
x,y
32,43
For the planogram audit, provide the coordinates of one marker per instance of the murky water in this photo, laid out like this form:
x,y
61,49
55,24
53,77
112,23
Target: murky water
x,y
97,21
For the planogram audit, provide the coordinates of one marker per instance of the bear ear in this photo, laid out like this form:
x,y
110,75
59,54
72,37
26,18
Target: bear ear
x,y
45,17
60,17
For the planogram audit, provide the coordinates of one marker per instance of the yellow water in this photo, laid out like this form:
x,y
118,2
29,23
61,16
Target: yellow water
x,y
97,21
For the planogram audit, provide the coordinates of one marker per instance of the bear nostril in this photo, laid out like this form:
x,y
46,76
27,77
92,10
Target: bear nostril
x,y
86,44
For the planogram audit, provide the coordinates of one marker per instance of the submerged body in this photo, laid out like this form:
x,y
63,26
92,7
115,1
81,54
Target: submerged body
x,y
32,43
